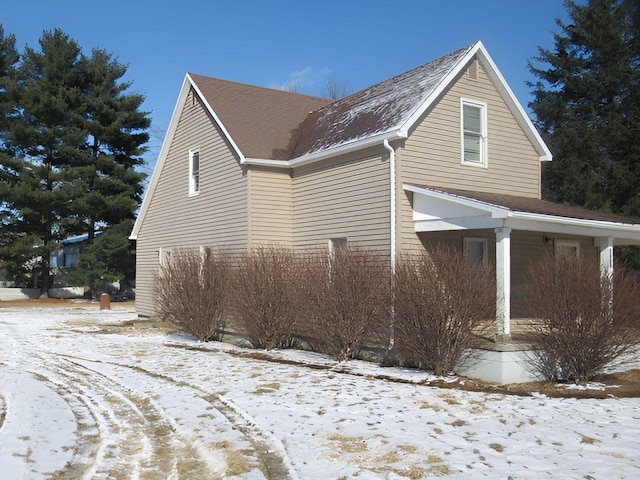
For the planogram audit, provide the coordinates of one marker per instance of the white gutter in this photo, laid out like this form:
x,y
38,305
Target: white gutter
x,y
331,152
580,222
392,202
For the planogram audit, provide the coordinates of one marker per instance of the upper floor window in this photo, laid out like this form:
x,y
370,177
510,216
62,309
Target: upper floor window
x,y
194,171
474,132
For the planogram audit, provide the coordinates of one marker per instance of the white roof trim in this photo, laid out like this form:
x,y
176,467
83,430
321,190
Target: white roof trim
x,y
187,85
330,152
512,102
623,227
626,233
399,132
164,150
217,120
496,211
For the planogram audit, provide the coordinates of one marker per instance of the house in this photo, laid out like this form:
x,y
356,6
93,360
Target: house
x,y
65,257
441,152
62,261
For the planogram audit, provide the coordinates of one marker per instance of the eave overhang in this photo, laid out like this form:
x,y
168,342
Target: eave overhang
x,y
436,211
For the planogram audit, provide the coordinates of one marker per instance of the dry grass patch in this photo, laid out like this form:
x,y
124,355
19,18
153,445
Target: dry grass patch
x,y
348,444
588,440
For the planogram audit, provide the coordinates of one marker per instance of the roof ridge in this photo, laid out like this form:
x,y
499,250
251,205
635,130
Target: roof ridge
x,y
260,87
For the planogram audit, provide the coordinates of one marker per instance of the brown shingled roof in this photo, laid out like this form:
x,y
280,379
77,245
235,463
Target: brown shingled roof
x,y
273,124
381,108
537,206
261,121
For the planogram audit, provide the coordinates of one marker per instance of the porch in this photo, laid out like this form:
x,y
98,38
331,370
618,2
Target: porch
x,y
513,233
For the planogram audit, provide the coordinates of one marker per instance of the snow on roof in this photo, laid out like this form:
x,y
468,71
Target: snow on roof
x,y
378,109
273,124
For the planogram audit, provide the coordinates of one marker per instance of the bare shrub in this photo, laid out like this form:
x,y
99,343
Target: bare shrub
x,y
348,296
266,297
191,291
442,307
586,321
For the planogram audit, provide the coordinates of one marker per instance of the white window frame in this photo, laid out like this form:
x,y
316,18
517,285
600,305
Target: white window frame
x,y
466,246
560,243
482,106
337,243
165,256
194,175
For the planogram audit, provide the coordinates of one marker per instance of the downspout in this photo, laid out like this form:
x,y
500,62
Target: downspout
x,y
392,240
392,202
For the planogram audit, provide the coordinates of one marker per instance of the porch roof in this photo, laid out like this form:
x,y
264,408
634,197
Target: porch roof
x,y
440,209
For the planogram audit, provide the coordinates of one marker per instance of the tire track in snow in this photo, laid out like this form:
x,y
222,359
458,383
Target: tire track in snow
x,y
3,410
273,458
131,438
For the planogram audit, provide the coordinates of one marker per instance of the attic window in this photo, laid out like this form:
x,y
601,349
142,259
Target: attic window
x,y
474,132
194,171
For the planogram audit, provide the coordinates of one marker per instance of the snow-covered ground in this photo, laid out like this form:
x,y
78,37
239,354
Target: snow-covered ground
x,y
82,399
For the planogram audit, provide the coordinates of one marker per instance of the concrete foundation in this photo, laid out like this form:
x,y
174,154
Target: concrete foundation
x,y
504,363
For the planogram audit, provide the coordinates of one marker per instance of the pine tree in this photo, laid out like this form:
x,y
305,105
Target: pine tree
x,y
9,238
587,104
8,60
44,137
72,137
107,259
116,134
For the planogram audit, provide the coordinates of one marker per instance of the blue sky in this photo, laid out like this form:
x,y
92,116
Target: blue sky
x,y
269,43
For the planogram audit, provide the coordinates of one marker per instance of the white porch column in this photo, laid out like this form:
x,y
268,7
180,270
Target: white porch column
x,y
605,244
503,283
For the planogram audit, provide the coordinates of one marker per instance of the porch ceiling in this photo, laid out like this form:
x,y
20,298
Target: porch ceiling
x,y
446,209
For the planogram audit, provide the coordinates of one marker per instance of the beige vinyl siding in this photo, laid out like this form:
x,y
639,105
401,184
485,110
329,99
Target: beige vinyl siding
x,y
527,250
432,157
432,153
270,209
345,197
216,217
455,239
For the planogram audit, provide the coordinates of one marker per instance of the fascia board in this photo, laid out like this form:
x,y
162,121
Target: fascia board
x,y
462,223
494,210
623,233
442,86
577,226
329,153
544,154
217,120
187,84
516,108
164,151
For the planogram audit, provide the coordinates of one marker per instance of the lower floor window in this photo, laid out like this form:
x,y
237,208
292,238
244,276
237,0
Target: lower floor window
x,y
567,248
476,250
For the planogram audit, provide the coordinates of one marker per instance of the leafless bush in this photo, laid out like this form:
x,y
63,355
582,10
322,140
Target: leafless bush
x,y
348,298
191,292
586,320
442,307
266,295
